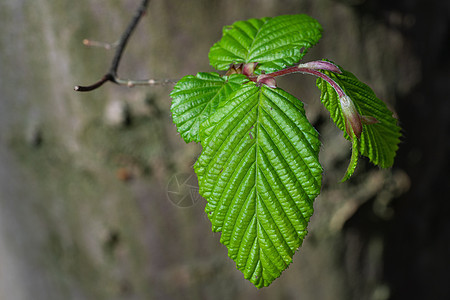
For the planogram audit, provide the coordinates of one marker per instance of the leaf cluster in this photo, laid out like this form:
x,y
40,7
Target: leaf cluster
x,y
259,168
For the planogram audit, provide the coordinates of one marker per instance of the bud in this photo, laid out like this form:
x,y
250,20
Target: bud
x,y
352,118
230,71
249,68
267,80
234,69
321,65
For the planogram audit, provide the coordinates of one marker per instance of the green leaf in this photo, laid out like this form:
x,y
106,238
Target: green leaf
x,y
194,98
353,160
260,174
379,141
272,42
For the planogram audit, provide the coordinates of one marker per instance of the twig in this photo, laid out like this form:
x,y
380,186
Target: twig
x,y
107,46
126,35
132,83
111,75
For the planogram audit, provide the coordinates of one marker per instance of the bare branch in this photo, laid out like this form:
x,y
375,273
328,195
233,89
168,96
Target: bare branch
x,y
88,88
132,83
107,46
126,35
120,48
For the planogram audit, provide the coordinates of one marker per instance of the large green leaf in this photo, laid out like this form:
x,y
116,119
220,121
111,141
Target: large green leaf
x,y
260,174
272,42
194,98
379,142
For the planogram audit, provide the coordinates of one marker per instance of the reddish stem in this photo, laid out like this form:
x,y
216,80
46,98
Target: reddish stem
x,y
310,71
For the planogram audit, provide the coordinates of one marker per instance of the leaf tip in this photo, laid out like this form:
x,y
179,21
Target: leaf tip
x,y
353,160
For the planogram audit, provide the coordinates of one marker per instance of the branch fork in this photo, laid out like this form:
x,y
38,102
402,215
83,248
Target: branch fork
x,y
120,45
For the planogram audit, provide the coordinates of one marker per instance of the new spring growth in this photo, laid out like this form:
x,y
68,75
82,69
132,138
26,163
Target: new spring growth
x,y
320,65
249,68
353,120
246,69
267,80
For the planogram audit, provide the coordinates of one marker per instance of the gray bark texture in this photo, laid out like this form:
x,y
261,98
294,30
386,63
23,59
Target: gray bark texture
x,y
89,202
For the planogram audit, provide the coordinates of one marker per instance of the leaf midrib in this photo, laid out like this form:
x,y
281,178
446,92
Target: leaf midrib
x,y
257,124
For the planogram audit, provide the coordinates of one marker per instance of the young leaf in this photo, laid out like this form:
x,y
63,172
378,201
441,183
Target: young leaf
x,y
379,141
194,98
272,42
353,160
260,174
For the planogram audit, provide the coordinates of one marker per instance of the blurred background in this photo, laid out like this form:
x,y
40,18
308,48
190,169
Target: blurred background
x,y
97,197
